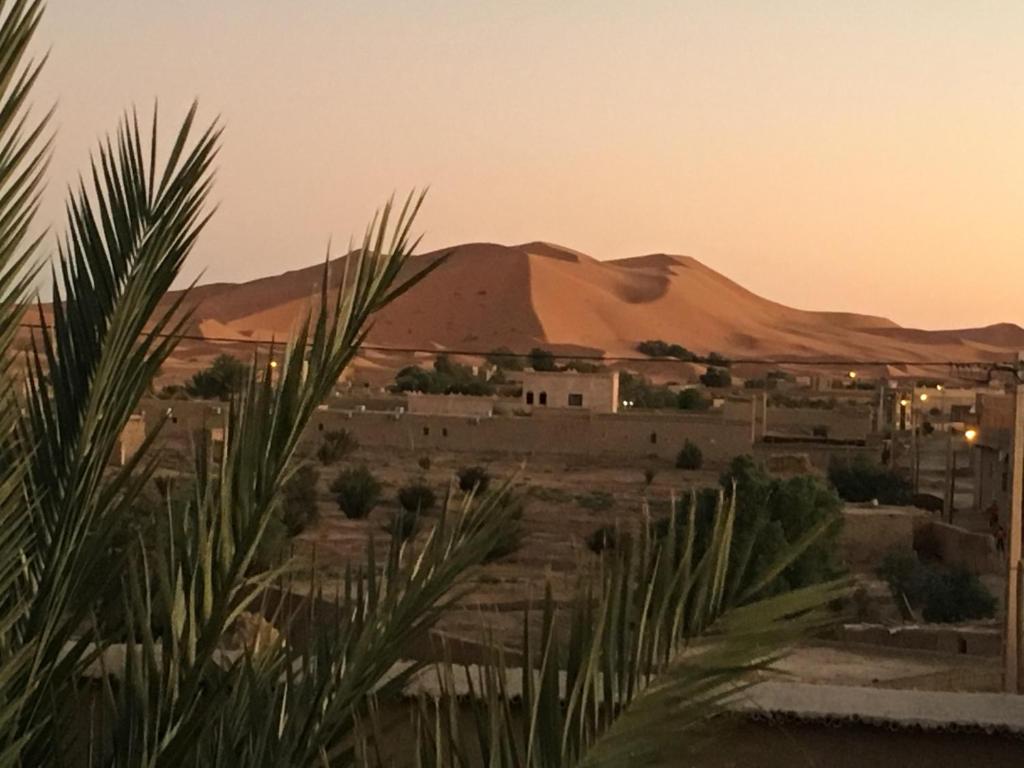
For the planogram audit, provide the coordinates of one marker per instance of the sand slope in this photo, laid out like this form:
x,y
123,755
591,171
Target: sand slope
x,y
487,295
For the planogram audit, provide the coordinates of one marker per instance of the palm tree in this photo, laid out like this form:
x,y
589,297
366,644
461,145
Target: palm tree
x,y
153,606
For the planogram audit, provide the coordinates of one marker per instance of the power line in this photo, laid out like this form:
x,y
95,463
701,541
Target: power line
x,y
817,362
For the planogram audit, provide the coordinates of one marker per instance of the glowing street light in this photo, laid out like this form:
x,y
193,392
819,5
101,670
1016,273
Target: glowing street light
x,y
904,402
273,363
938,387
970,434
852,374
924,396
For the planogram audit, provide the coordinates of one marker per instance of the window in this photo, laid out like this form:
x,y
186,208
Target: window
x,y
320,427
575,400
654,438
444,431
543,398
529,398
426,431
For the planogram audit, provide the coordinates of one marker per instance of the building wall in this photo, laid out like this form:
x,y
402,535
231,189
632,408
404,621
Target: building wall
x,y
131,439
562,432
599,392
450,405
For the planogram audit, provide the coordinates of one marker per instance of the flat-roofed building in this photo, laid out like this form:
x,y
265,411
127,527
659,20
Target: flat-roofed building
x,y
595,392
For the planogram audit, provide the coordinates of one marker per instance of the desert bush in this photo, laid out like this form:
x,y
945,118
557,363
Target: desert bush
x,y
659,348
716,378
446,377
690,456
403,524
861,480
298,499
511,538
336,445
417,497
225,377
474,477
542,360
692,400
943,594
357,492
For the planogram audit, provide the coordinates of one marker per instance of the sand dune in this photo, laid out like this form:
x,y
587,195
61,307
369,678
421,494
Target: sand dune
x,y
489,295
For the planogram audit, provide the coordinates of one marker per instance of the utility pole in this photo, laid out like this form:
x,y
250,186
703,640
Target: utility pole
x,y
1012,644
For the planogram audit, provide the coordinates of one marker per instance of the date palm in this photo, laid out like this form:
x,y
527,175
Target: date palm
x,y
68,548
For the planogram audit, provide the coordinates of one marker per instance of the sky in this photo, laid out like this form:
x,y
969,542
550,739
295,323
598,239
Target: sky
x,y
860,156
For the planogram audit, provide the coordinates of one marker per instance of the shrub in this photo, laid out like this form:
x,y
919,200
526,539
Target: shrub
x,y
417,497
596,501
511,538
716,378
225,377
643,394
424,463
474,477
504,359
861,480
690,456
943,594
357,492
658,348
403,524
298,499
447,377
721,361
542,360
692,400
335,446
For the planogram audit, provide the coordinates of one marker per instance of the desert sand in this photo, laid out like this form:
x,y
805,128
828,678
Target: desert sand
x,y
487,295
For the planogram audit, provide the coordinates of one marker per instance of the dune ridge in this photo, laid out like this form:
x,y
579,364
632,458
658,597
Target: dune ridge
x,y
488,295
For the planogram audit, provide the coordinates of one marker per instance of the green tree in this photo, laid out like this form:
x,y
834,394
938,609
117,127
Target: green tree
x,y
716,378
221,381
860,480
692,400
505,359
542,360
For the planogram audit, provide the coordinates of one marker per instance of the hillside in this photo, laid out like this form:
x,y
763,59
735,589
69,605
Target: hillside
x,y
489,295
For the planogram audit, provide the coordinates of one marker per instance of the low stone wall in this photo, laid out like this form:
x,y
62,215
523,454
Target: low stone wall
x,y
870,533
958,547
972,640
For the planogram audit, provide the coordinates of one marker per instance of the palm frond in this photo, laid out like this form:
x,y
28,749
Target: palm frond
x,y
204,573
127,239
652,647
24,151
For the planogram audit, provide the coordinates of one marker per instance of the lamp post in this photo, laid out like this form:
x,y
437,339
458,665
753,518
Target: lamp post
x,y
970,435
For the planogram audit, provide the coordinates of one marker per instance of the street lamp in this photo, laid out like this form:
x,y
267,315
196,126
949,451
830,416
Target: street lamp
x,y
970,435
924,397
853,374
273,363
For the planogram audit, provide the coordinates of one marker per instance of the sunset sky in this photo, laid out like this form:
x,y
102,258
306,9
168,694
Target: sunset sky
x,y
864,156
